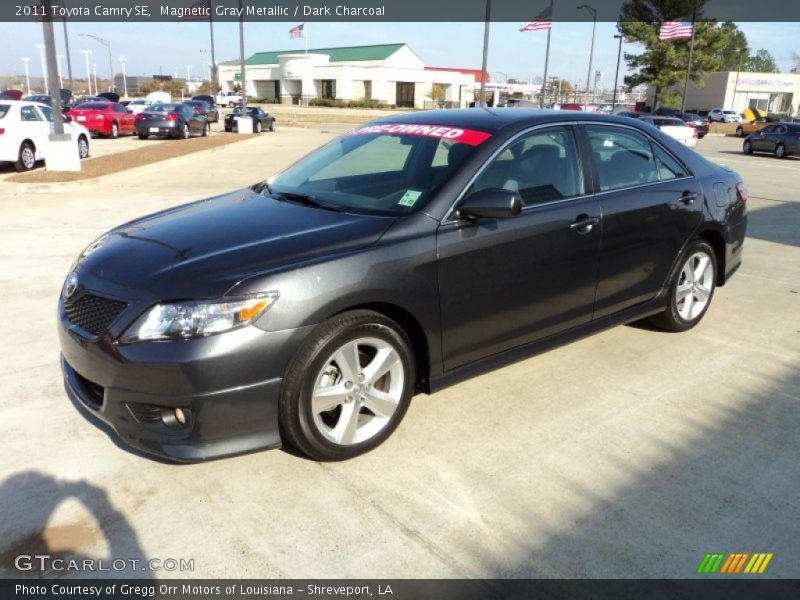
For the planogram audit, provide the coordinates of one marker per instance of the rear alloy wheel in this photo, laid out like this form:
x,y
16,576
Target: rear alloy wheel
x,y
207,130
114,131
272,125
27,157
184,131
747,147
691,290
739,132
83,147
143,136
780,151
348,387
257,127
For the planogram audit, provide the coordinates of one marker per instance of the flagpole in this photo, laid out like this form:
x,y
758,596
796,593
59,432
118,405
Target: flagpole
x,y
305,35
691,53
486,23
214,89
546,58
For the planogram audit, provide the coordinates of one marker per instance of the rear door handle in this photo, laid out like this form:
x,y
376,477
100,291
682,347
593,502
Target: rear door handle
x,y
689,197
584,223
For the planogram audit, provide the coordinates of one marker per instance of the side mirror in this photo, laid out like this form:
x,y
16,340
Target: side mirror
x,y
492,203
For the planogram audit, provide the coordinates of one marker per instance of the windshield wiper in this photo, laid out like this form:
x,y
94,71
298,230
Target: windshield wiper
x,y
307,200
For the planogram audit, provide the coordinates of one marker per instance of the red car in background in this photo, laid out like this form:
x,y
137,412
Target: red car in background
x,y
104,118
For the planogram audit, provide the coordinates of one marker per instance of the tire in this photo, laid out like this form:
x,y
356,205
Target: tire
x,y
184,134
207,130
691,289
272,126
353,422
780,151
228,129
143,136
739,132
256,126
114,131
747,147
26,159
83,147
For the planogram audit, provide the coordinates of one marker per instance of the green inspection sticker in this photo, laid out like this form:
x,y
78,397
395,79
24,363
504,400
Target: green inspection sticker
x,y
410,198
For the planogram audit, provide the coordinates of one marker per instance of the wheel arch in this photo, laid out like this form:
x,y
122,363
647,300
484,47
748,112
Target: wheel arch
x,y
714,237
412,327
29,141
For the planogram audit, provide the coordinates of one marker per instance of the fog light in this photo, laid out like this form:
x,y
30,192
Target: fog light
x,y
180,416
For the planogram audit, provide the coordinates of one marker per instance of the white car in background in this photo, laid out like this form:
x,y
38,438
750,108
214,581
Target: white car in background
x,y
720,115
674,128
25,129
139,105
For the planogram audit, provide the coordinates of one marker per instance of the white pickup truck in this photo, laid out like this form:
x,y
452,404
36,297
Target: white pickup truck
x,y
229,99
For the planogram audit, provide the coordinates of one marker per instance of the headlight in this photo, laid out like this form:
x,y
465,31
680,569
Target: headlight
x,y
186,320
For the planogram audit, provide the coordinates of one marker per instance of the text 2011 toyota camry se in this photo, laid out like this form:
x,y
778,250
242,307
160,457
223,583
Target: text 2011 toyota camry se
x,y
400,257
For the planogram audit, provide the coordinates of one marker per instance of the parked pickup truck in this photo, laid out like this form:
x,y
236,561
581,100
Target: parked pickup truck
x,y
229,99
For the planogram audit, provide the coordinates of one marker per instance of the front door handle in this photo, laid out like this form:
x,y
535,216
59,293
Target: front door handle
x,y
584,223
689,197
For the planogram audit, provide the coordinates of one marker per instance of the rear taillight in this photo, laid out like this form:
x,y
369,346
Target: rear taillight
x,y
171,117
197,110
741,193
2,131
140,117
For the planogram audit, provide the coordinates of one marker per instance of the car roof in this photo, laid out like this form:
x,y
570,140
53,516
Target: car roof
x,y
496,119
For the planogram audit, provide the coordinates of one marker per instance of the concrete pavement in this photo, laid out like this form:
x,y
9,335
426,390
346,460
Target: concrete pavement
x,y
628,454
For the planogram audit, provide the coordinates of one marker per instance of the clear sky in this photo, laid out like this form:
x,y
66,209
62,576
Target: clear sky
x,y
161,47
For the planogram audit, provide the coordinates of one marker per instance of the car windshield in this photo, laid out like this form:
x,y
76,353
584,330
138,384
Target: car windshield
x,y
390,169
4,110
94,105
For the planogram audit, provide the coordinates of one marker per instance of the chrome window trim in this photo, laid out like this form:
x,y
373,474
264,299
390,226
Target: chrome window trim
x,y
449,215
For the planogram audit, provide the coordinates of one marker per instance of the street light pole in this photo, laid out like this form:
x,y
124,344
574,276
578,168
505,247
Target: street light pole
x,y
124,60
40,47
592,11
26,60
486,26
86,54
58,67
616,76
94,72
107,44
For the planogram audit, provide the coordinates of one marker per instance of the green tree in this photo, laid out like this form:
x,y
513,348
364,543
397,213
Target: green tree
x,y
736,53
762,62
663,64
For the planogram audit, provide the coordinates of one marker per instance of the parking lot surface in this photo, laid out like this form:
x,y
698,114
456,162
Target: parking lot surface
x,y
628,454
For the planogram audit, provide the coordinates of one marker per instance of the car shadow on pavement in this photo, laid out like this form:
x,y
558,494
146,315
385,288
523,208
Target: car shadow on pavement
x,y
778,223
29,499
727,482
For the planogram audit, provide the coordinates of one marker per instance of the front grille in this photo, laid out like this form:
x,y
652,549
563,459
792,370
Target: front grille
x,y
94,313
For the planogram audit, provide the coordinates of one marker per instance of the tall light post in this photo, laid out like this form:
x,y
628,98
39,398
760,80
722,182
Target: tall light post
x,y
86,55
122,61
188,74
107,44
26,60
58,68
592,11
40,47
94,73
616,76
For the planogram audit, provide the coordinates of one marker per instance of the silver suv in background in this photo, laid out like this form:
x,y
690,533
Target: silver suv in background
x,y
724,116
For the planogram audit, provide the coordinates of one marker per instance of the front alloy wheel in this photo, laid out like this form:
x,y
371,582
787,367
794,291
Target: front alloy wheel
x,y
691,290
739,132
348,387
26,160
83,147
780,151
747,148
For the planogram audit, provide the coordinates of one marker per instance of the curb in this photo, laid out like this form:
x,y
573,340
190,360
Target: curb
x,y
13,187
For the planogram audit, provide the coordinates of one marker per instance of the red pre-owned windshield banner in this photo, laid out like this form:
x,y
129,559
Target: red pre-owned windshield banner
x,y
455,134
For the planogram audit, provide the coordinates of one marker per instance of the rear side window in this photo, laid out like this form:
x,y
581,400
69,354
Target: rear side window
x,y
4,110
28,113
668,167
624,158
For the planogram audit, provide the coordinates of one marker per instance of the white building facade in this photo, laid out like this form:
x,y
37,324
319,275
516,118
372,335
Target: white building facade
x,y
386,73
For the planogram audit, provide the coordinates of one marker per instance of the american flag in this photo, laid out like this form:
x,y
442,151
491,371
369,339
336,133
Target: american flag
x,y
671,30
201,6
298,31
544,20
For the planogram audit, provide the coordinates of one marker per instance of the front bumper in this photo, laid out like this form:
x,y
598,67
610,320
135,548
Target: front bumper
x,y
228,387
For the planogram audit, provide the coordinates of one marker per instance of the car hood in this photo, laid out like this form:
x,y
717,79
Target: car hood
x,y
201,250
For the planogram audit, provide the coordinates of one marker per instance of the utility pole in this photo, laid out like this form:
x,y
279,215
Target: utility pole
x,y
40,47
616,76
486,25
122,61
86,55
26,60
107,44
58,66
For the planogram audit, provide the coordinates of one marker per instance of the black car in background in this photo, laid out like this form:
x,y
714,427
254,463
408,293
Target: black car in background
x,y
694,120
261,120
211,111
171,120
780,139
205,98
406,254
